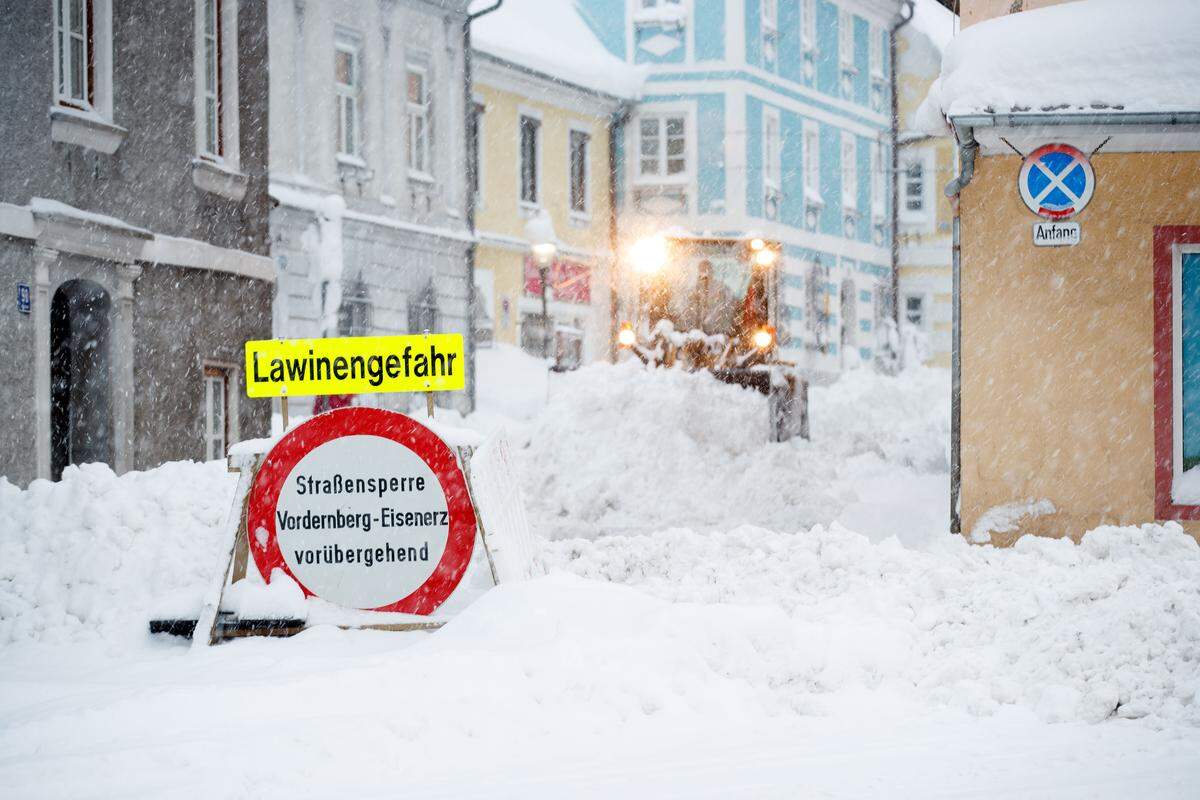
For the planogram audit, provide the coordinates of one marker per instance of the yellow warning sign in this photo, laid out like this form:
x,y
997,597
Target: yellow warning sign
x,y
355,365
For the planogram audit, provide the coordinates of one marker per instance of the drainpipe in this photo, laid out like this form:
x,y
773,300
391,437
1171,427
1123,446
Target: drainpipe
x,y
472,162
906,15
968,148
616,130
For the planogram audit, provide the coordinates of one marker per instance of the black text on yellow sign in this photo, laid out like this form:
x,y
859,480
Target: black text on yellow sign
x,y
355,365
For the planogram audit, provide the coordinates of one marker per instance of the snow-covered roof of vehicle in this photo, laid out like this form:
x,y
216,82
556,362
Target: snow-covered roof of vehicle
x,y
1081,57
552,38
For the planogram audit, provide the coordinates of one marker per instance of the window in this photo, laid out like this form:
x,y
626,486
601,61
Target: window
x,y
354,313
808,22
914,310
417,100
210,87
878,173
478,110
812,162
769,13
75,57
579,171
849,171
846,39
914,188
772,163
216,416
423,310
530,147
772,149
347,85
878,40
1177,372
663,146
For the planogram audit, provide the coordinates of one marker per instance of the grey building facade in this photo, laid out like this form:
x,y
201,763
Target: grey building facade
x,y
368,151
134,233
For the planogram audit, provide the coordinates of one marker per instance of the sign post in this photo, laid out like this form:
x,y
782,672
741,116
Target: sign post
x,y
1056,182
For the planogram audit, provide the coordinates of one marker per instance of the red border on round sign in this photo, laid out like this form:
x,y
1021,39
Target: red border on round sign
x,y
359,421
1027,165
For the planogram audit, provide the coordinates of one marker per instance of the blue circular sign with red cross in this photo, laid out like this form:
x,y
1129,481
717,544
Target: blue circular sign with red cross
x,y
1056,181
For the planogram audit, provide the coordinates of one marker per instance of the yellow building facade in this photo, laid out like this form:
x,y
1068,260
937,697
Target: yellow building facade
x,y
543,172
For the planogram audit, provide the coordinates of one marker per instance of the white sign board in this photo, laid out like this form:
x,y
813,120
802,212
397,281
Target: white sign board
x,y
1055,234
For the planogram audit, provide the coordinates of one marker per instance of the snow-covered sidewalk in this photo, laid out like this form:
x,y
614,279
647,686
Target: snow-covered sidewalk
x,y
720,617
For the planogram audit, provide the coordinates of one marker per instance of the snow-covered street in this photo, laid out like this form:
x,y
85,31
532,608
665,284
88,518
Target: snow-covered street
x,y
768,620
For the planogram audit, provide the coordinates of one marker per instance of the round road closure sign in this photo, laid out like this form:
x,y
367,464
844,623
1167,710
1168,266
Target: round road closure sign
x,y
1056,181
364,508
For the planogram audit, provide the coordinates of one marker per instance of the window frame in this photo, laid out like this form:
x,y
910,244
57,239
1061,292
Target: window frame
x,y
534,117
920,324
414,112
808,27
846,40
811,156
878,182
580,130
352,45
875,51
849,171
62,55
661,174
212,373
1171,242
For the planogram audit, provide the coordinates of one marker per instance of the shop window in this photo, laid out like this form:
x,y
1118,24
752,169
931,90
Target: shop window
x,y
1177,372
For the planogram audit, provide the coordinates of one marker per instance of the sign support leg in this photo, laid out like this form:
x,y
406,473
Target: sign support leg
x,y
283,411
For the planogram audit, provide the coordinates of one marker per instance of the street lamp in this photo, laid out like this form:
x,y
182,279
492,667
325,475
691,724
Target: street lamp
x,y
540,232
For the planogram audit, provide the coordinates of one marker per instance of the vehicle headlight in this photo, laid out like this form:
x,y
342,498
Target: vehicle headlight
x,y
625,336
764,338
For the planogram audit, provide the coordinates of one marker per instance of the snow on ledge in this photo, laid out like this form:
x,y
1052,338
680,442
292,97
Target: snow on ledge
x,y
1085,56
1007,518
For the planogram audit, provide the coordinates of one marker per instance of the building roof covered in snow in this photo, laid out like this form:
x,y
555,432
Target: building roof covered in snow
x,y
1081,57
936,22
552,38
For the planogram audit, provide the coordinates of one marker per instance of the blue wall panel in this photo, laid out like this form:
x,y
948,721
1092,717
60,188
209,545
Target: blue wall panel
x,y
792,129
710,30
828,68
606,18
710,144
831,181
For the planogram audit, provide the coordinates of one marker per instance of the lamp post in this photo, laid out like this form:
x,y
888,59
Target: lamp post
x,y
540,232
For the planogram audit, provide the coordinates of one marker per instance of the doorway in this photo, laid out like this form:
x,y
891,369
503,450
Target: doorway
x,y
80,365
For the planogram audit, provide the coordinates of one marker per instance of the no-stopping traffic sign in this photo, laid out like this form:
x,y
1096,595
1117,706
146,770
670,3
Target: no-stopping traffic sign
x,y
364,508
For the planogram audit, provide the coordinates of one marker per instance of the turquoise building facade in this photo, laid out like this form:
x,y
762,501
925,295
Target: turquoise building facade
x,y
769,118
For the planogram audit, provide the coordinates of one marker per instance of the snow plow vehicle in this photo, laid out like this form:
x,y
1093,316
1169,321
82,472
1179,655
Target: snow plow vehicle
x,y
712,303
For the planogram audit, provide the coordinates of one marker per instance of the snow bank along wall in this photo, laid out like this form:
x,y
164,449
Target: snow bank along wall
x,y
1058,345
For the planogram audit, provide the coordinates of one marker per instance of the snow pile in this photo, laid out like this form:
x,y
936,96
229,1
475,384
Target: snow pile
x,y
620,449
1076,57
95,555
553,39
1078,633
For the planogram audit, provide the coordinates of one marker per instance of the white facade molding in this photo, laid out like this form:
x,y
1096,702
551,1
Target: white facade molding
x,y
66,229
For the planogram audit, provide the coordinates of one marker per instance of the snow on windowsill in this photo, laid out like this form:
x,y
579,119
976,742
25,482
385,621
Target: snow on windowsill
x,y
352,162
85,128
218,178
420,177
667,15
1185,488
